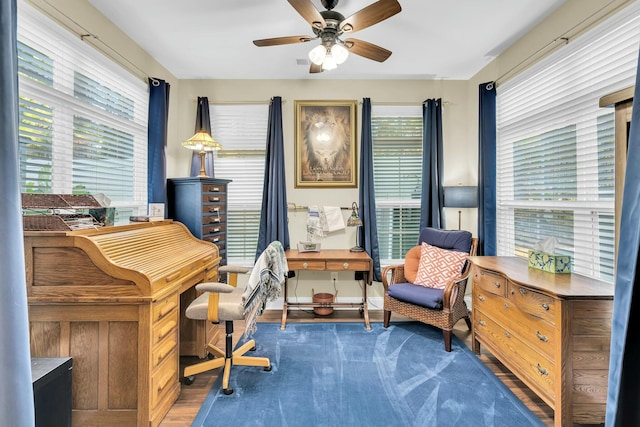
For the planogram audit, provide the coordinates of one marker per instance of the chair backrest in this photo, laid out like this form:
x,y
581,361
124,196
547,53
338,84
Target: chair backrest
x,y
453,240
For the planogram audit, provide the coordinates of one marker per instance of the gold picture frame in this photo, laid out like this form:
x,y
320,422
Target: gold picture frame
x,y
325,144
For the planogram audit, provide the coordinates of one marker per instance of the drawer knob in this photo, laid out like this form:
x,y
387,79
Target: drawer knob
x,y
482,323
545,306
541,337
481,297
305,265
507,334
522,291
506,305
345,265
542,370
497,284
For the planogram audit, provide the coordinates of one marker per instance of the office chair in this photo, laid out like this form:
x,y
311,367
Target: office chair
x,y
226,303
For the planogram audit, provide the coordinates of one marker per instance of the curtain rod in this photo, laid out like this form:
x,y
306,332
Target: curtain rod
x,y
87,35
295,207
563,37
268,101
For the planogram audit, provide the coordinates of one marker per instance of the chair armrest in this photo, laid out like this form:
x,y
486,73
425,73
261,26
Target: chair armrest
x,y
233,269
454,292
397,276
215,287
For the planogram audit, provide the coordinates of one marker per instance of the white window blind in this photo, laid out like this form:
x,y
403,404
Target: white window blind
x,y
397,170
83,118
555,149
242,131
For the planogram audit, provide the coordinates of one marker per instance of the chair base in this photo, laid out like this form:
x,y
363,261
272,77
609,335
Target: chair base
x,y
226,359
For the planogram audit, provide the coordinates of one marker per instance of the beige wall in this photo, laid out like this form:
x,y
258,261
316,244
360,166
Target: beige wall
x,y
460,112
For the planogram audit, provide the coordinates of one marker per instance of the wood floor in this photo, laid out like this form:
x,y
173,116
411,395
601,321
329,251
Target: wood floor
x,y
191,397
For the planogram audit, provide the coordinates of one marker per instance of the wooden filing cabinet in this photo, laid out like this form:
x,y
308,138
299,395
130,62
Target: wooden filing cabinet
x,y
552,331
201,204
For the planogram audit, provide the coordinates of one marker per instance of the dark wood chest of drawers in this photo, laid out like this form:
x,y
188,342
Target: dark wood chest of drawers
x,y
551,330
201,204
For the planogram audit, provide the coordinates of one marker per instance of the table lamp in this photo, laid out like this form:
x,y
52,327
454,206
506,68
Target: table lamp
x,y
202,142
460,197
355,221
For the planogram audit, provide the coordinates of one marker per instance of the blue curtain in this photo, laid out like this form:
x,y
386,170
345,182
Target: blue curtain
x,y
16,393
203,121
624,371
157,143
367,194
432,196
487,170
273,216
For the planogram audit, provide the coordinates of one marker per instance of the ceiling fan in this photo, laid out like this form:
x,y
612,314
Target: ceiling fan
x,y
329,26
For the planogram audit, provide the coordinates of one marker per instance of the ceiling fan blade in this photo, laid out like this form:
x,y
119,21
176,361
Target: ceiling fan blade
x,y
281,40
367,50
308,11
315,68
370,15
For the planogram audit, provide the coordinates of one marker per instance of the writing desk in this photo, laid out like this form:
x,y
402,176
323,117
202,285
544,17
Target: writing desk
x,y
329,260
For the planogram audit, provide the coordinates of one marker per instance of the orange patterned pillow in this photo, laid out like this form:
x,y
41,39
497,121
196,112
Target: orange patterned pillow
x,y
438,266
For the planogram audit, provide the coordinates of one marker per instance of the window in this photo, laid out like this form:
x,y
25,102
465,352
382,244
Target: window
x,y
555,152
397,171
83,119
242,131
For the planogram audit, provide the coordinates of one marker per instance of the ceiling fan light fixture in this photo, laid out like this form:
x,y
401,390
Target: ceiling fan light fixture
x,y
339,53
329,63
318,54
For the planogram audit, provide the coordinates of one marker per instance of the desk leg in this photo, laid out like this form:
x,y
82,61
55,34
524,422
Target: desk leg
x,y
283,323
365,309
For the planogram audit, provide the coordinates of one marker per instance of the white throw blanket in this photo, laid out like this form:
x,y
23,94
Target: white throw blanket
x,y
264,284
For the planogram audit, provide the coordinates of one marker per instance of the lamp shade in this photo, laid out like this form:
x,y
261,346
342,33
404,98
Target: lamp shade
x,y
202,141
461,197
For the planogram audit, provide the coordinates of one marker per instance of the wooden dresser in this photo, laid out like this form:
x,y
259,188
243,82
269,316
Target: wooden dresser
x,y
110,299
551,330
201,204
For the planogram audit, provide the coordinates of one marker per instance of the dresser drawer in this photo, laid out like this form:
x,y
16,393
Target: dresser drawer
x,y
306,265
533,302
164,350
532,367
165,328
214,197
164,378
213,188
536,332
213,208
348,265
489,282
213,219
164,308
218,239
214,229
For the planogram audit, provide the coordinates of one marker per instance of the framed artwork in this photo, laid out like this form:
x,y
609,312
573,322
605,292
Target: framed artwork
x,y
325,144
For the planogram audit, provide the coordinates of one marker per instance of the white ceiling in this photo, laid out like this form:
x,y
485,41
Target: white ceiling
x,y
430,39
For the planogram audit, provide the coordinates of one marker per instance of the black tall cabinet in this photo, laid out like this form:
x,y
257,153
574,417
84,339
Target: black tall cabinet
x,y
201,205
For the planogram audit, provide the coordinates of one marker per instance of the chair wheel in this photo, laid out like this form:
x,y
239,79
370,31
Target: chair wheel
x,y
210,356
227,391
189,380
267,368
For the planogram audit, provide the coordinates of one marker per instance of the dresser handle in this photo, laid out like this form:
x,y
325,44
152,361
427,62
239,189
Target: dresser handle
x,y
497,284
217,229
507,334
305,265
482,323
214,189
523,291
545,306
541,337
506,305
542,370
214,199
481,298
212,209
345,265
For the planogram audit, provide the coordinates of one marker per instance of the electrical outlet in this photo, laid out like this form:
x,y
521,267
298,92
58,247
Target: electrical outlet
x,y
334,276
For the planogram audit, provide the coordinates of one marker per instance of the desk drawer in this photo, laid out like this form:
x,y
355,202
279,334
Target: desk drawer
x,y
164,378
307,265
163,308
348,265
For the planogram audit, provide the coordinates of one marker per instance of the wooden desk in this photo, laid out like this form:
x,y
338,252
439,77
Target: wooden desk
x,y
551,330
330,260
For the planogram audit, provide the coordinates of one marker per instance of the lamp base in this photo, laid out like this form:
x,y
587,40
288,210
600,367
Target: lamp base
x,y
203,172
356,249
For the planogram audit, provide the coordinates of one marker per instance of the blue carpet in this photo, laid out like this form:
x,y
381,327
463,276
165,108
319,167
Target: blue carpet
x,y
340,374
